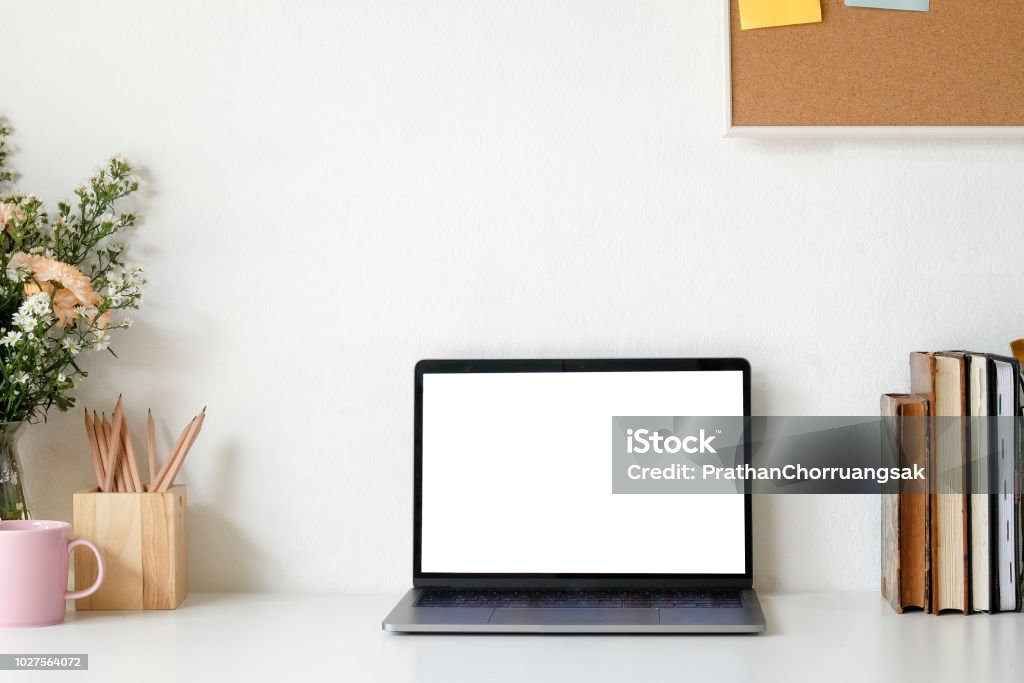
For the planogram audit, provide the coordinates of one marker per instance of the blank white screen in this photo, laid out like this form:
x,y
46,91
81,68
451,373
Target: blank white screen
x,y
517,476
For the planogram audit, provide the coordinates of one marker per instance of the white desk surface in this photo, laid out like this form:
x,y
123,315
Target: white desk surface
x,y
296,638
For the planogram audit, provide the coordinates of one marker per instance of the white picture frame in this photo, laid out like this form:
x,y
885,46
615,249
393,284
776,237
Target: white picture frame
x,y
926,132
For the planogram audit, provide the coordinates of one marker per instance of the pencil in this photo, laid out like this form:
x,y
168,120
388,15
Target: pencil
x,y
114,436
151,446
126,475
120,466
101,434
179,456
101,441
121,480
129,453
174,451
97,463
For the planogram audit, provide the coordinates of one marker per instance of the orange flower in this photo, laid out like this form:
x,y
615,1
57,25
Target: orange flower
x,y
69,277
18,259
64,303
75,293
9,211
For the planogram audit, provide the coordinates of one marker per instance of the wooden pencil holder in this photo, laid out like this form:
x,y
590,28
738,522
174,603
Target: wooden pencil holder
x,y
142,538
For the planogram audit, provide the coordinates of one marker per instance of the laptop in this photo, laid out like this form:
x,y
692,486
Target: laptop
x,y
515,525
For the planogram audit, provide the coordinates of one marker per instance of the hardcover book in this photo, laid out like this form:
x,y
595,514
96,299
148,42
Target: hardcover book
x,y
1007,544
906,559
941,378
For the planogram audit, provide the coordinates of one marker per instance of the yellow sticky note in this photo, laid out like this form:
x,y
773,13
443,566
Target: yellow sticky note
x,y
765,13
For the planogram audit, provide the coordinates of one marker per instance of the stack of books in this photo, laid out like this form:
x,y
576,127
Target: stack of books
x,y
957,544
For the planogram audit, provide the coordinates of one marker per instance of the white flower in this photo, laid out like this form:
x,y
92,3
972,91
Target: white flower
x,y
24,320
11,338
61,378
33,311
18,273
71,345
38,304
21,377
102,341
135,276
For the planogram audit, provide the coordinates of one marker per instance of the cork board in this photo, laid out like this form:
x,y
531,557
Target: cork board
x,y
959,64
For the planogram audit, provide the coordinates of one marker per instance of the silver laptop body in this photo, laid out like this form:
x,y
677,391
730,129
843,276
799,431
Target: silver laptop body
x,y
515,528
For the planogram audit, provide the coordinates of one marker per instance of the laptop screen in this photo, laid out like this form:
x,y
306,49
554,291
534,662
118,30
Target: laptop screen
x,y
516,476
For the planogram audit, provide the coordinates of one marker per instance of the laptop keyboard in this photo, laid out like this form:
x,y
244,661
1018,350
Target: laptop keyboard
x,y
513,598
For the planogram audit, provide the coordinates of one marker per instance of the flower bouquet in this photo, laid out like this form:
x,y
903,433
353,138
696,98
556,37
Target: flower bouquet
x,y
62,279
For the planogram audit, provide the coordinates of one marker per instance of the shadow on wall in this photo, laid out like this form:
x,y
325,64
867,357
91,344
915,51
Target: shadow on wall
x,y
234,566
785,559
219,550
765,527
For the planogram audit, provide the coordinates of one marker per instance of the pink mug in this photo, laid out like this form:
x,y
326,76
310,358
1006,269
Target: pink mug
x,y
34,572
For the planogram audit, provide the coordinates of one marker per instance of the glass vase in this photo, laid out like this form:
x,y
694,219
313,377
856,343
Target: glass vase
x,y
13,504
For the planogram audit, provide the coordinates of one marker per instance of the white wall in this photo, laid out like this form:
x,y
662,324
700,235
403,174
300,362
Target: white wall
x,y
340,188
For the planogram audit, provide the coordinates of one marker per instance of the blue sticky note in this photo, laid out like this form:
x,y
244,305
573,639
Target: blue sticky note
x,y
913,5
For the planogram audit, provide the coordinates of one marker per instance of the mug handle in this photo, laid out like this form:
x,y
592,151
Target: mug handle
x,y
77,595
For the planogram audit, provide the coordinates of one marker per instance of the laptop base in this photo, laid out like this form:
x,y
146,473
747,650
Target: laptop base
x,y
408,618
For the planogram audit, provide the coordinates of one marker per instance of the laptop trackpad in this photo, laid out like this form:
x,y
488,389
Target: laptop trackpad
x,y
571,616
